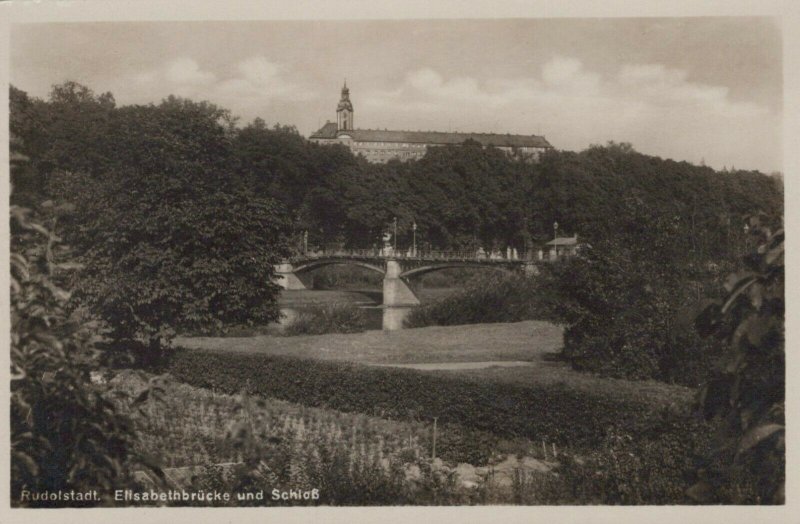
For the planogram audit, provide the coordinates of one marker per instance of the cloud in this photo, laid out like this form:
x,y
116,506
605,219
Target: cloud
x,y
568,74
565,78
187,71
659,84
660,109
258,78
251,83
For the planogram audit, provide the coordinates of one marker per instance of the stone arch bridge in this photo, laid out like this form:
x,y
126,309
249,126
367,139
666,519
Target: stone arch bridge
x,y
397,269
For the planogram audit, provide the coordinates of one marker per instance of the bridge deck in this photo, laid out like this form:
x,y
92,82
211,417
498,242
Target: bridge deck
x,y
433,256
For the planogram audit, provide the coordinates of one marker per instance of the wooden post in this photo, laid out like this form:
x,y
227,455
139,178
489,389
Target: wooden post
x,y
544,450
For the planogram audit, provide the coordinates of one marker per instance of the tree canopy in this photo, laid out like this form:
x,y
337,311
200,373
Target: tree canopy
x,y
171,184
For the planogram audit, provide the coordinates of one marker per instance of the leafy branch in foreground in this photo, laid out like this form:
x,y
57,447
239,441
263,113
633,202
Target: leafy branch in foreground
x,y
745,399
65,433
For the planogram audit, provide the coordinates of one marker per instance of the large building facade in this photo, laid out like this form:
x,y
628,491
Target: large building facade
x,y
383,145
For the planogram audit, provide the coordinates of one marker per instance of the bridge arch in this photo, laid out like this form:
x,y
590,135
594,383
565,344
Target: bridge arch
x,y
315,264
419,271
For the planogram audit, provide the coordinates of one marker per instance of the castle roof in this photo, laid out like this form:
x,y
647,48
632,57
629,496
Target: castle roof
x,y
329,130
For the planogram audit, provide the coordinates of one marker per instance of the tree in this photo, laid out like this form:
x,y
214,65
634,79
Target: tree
x,y
621,300
745,398
75,124
160,258
66,434
170,238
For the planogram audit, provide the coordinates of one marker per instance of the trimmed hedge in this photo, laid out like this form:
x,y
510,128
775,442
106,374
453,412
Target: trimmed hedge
x,y
554,413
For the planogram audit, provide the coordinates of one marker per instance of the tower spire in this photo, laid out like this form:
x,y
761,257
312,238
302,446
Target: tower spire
x,y
344,111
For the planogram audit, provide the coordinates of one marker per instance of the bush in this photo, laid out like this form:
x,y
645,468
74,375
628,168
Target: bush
x,y
329,318
555,414
745,398
624,469
343,277
450,278
625,301
487,298
65,433
610,466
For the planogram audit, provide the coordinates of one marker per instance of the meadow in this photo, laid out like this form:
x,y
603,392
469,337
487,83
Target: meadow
x,y
536,342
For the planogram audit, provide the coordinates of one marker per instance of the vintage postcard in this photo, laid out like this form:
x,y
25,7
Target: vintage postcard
x,y
396,262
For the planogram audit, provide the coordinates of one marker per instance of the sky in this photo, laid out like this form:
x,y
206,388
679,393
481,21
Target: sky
x,y
697,89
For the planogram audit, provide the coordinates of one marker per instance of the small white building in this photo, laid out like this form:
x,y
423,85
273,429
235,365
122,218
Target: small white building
x,y
561,247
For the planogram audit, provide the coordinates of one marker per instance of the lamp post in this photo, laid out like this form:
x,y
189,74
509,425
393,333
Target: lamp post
x,y
395,236
555,238
305,242
414,245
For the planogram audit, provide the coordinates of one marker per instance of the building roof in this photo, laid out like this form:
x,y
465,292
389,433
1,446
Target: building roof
x,y
433,137
563,241
327,131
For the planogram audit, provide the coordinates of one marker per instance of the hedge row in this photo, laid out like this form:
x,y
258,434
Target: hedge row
x,y
553,413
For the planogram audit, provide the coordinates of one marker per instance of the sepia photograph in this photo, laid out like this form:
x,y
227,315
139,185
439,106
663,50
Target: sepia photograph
x,y
517,261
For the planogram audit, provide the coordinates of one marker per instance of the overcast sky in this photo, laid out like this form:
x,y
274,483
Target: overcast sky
x,y
688,88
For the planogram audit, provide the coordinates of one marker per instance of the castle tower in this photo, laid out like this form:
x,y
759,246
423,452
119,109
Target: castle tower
x,y
344,111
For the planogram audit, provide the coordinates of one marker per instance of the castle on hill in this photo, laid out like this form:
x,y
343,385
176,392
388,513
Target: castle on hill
x,y
382,145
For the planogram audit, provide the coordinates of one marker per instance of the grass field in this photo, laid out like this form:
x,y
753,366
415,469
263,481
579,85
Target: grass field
x,y
536,342
529,340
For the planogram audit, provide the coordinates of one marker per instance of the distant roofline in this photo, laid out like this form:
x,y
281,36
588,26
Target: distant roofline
x,y
446,132
438,137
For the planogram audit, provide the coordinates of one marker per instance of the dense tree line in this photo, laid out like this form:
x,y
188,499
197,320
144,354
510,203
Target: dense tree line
x,y
206,205
458,196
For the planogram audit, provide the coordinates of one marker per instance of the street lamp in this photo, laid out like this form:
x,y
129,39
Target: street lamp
x,y
414,245
395,236
555,238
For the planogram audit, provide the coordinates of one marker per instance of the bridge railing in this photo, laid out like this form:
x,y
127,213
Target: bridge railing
x,y
410,254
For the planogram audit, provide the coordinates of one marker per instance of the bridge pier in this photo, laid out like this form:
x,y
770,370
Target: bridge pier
x,y
398,298
285,277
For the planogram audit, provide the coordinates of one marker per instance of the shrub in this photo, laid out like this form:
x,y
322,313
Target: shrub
x,y
343,277
624,302
745,398
554,413
329,318
487,298
450,278
65,433
624,469
655,466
